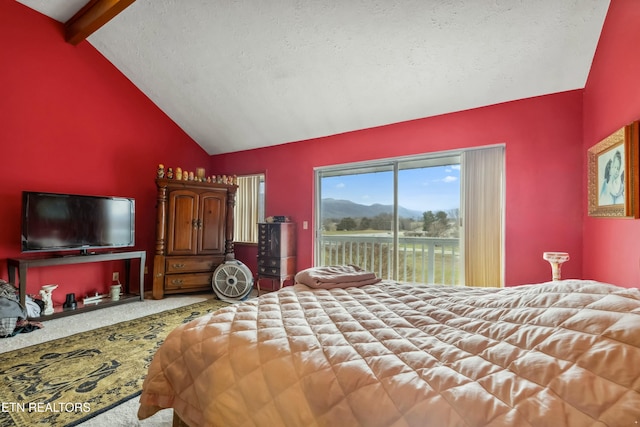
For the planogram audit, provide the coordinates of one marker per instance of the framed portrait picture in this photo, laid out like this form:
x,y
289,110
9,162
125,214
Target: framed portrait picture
x,y
613,174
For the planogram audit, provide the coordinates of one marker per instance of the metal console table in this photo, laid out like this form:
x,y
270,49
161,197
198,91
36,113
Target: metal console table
x,y
21,265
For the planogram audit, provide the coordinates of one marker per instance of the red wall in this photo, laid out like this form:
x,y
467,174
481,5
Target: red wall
x,y
72,123
543,138
611,101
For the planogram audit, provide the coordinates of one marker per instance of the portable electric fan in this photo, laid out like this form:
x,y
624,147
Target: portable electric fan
x,y
232,281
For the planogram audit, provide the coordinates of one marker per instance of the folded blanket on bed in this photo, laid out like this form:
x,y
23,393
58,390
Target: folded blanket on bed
x,y
336,276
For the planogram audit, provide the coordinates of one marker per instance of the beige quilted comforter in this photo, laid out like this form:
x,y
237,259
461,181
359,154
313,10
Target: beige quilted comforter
x,y
554,354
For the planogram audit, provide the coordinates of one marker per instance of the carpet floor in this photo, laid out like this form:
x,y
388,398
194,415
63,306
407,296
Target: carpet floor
x,y
89,377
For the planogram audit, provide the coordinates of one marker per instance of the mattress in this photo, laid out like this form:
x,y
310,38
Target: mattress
x,y
563,353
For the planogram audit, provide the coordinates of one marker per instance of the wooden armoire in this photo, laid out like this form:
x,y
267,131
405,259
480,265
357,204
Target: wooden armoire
x,y
194,234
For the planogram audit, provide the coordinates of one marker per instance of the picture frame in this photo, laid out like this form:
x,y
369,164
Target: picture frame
x,y
613,175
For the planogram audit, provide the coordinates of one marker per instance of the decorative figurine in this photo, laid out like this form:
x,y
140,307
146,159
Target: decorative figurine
x,y
160,170
191,176
200,174
45,293
179,174
170,173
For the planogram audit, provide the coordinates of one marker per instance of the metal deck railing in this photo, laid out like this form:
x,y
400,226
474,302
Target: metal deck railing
x,y
420,259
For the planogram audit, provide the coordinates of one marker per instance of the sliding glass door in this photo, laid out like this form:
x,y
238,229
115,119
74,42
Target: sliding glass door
x,y
429,242
356,218
423,219
398,218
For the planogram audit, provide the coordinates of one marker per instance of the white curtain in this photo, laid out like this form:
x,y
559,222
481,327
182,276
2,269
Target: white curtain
x,y
483,212
245,227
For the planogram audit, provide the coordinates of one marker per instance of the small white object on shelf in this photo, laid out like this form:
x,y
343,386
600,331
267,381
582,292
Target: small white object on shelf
x,y
45,293
115,292
94,299
556,259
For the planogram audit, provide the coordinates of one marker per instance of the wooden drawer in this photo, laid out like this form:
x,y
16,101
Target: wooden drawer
x,y
187,281
276,239
277,267
192,264
272,262
269,271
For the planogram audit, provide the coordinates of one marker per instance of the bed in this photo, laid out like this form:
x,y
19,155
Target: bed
x,y
381,353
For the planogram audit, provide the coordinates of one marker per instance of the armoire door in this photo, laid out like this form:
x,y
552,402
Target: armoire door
x,y
211,225
182,233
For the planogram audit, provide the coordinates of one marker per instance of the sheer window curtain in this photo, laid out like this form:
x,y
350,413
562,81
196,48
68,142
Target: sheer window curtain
x,y
483,200
246,212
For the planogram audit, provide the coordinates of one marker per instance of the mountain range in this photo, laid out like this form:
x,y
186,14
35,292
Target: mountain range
x,y
337,209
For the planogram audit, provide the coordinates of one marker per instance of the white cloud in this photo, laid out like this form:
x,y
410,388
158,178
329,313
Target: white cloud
x,y
447,179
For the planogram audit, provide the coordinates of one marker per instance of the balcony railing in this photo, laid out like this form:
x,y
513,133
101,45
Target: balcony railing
x,y
420,259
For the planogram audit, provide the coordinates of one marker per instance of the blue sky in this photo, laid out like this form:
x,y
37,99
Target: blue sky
x,y
434,188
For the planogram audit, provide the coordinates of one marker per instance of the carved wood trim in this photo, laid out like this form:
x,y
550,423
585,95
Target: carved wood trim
x,y
229,251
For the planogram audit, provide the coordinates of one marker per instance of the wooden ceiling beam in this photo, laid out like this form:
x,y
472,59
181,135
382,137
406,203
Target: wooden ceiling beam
x,y
92,16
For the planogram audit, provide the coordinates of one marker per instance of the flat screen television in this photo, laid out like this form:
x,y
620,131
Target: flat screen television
x,y
66,222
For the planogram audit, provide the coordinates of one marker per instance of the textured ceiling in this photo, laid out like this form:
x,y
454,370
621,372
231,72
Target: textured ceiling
x,y
237,75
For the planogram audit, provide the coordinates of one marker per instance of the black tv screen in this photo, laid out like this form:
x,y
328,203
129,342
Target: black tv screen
x,y
63,222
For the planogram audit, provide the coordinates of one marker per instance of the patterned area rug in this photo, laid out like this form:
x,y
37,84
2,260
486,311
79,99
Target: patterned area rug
x,y
67,381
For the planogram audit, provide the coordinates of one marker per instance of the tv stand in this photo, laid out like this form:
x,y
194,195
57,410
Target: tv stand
x,y
21,265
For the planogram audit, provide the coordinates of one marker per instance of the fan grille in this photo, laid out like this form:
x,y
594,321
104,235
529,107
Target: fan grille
x,y
232,280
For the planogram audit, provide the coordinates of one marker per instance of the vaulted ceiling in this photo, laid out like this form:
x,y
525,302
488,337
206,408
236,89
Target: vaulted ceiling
x,y
238,75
